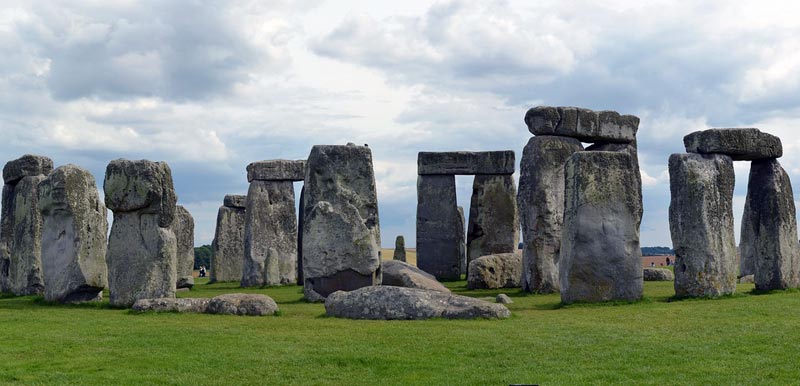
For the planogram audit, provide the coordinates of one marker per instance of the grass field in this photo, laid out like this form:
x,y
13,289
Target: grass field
x,y
743,339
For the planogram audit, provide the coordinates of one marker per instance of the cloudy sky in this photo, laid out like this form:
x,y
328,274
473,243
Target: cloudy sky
x,y
209,86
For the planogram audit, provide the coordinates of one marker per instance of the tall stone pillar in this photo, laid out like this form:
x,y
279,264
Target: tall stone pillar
x,y
228,244
493,220
439,249
183,228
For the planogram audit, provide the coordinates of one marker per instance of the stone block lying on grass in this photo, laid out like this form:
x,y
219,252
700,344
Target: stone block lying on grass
x,y
229,304
658,274
198,305
501,270
400,274
393,303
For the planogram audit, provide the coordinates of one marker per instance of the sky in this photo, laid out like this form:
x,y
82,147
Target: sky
x,y
210,86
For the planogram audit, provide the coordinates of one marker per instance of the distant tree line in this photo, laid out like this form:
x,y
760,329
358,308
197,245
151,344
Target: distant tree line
x,y
656,251
202,256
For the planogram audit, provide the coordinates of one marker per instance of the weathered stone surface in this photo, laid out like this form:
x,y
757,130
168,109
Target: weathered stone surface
x,y
300,216
24,264
502,270
183,228
190,305
341,229
465,162
701,224
242,304
493,221
228,245
26,166
399,249
235,201
276,170
439,250
503,299
769,227
142,185
600,258
658,274
400,274
583,124
270,238
739,144
74,229
747,279
391,303
461,236
6,236
541,209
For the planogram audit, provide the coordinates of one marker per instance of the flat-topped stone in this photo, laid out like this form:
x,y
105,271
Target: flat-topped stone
x,y
235,201
741,144
27,165
583,124
465,162
277,170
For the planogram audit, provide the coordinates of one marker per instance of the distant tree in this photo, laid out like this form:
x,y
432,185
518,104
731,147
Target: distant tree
x,y
657,251
202,256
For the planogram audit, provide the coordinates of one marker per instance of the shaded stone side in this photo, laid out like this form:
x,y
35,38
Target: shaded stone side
x,y
228,245
461,236
270,238
493,222
25,247
300,215
439,250
701,224
183,228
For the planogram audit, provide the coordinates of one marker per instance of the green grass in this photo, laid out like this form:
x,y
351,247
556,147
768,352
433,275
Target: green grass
x,y
742,339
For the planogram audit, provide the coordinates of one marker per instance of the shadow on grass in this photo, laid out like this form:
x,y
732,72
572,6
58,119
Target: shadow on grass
x,y
102,305
677,298
757,292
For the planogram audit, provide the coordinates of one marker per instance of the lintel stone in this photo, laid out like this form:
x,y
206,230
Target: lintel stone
x,y
277,170
465,162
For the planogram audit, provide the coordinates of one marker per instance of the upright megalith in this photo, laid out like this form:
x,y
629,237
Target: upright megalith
x,y
493,221
74,228
461,236
399,249
228,244
541,209
600,258
300,216
142,249
440,230
769,227
701,224
341,230
183,228
270,235
21,229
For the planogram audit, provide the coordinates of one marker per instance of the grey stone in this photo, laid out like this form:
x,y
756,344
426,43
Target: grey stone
x,y
769,227
74,229
541,209
439,240
502,270
399,249
493,221
465,162
341,229
461,237
392,303
400,274
190,305
276,170
739,144
300,216
235,201
228,245
26,166
270,238
658,274
503,299
242,304
143,186
24,267
701,224
747,279
600,258
183,228
583,124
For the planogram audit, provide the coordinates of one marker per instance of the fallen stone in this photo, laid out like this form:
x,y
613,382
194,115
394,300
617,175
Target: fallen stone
x,y
183,228
228,244
701,224
143,186
270,238
541,209
276,170
400,274
242,304
582,124
183,305
502,270
600,258
658,274
503,299
493,221
465,162
747,279
74,229
399,249
739,144
26,166
439,239
393,303
235,201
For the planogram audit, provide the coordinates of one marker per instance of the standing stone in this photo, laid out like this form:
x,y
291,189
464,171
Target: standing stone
x,y
183,228
462,241
20,232
600,257
300,216
228,244
493,223
341,230
439,250
541,207
74,229
769,227
399,249
142,249
701,224
270,241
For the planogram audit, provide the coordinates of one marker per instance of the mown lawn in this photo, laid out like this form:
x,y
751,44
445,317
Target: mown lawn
x,y
744,339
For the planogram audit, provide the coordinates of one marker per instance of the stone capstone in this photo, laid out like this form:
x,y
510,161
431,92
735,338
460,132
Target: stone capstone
x,y
400,274
143,186
276,170
493,221
582,124
658,274
440,229
235,201
399,249
465,162
270,238
183,228
26,166
393,303
242,304
184,305
502,270
228,245
739,144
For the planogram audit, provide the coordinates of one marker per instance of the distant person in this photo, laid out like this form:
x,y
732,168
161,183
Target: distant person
x,y
202,271
668,261
652,263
